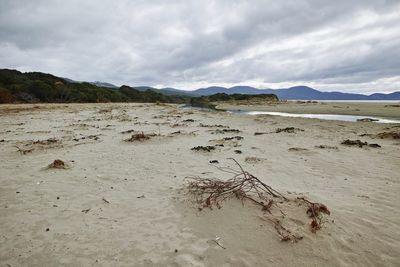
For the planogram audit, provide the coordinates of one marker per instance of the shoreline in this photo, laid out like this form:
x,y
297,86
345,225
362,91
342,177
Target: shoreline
x,y
384,110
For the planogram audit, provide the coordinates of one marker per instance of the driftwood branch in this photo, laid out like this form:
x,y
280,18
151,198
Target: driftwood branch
x,y
211,192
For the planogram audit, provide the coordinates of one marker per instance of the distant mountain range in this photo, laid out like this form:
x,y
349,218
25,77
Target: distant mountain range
x,y
103,84
292,93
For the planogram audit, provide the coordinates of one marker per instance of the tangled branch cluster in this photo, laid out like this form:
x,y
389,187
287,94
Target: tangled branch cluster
x,y
210,192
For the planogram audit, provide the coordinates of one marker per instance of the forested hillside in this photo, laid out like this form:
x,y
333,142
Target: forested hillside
x,y
33,87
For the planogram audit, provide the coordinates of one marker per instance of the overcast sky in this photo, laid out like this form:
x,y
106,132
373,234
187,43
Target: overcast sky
x,y
348,45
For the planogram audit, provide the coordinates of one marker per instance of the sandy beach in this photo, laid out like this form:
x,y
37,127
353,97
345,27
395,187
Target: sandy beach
x,y
120,203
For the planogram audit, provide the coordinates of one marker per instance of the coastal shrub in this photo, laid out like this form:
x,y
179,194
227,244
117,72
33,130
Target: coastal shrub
x,y
5,96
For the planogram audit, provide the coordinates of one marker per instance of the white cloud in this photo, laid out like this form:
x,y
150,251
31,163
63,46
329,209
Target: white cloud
x,y
342,45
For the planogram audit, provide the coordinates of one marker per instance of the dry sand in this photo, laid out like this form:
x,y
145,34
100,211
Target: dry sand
x,y
118,203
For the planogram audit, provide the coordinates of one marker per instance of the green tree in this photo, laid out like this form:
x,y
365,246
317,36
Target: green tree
x,y
41,90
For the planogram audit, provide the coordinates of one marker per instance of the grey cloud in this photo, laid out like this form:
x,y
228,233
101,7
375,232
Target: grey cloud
x,y
176,43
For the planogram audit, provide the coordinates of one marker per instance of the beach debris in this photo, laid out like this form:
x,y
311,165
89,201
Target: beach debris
x,y
211,192
182,133
349,142
214,161
230,141
85,210
284,233
384,135
326,147
92,137
31,145
252,160
203,148
24,151
358,143
176,133
374,145
297,149
314,212
216,240
188,120
47,141
238,151
139,137
395,106
260,133
233,138
224,131
57,164
367,120
105,200
142,196
289,130
128,131
213,125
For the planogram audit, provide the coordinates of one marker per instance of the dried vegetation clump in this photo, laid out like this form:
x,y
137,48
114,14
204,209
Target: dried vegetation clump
x,y
224,131
260,133
139,137
384,135
252,160
233,138
128,131
315,211
232,141
358,143
213,125
212,192
58,164
294,149
203,148
177,133
388,135
281,130
91,137
288,130
31,145
326,147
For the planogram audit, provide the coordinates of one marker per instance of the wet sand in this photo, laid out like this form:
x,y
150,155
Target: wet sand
x,y
384,110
